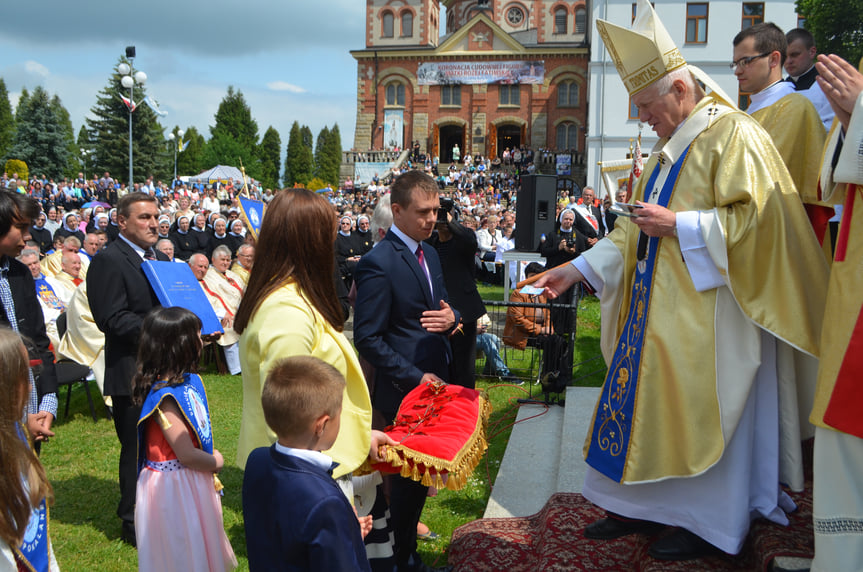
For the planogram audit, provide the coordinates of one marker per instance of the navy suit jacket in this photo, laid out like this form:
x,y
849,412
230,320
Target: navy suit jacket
x,y
297,517
392,294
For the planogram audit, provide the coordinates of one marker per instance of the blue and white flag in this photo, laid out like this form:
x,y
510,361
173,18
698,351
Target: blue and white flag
x,y
154,105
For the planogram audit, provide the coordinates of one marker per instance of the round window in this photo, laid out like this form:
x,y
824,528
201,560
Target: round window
x,y
515,16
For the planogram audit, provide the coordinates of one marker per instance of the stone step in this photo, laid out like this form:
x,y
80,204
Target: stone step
x,y
580,403
543,455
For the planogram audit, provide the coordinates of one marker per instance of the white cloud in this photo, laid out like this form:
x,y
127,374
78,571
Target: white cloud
x,y
285,86
35,68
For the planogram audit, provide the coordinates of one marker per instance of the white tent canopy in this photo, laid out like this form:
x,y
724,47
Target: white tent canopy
x,y
219,173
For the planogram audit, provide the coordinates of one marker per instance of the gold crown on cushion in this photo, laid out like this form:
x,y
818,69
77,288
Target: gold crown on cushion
x,y
643,54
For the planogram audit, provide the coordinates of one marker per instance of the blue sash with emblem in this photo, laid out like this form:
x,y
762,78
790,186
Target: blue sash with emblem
x,y
191,397
35,547
612,425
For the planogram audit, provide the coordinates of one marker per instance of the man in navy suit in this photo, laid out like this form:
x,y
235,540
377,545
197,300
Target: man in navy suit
x,y
401,323
120,297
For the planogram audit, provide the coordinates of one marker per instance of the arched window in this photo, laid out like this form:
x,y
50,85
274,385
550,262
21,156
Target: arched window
x,y
567,136
395,94
387,25
581,21
560,16
567,94
407,24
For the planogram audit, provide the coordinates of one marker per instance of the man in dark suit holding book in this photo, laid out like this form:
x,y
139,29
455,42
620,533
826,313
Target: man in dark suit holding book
x,y
120,296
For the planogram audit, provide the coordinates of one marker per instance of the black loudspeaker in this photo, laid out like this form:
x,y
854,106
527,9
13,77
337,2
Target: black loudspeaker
x,y
535,210
130,52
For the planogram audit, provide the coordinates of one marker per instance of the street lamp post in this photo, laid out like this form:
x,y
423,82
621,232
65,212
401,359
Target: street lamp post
x,y
84,153
175,141
129,78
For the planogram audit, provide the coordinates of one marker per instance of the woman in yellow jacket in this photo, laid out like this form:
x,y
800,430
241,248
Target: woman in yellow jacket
x,y
291,308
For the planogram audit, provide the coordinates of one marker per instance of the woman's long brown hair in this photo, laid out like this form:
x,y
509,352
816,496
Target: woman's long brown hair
x,y
17,461
296,242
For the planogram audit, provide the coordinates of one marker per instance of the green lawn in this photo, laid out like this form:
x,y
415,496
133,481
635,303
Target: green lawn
x,y
82,464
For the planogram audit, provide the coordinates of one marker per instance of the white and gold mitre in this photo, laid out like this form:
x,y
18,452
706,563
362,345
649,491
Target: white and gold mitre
x,y
643,54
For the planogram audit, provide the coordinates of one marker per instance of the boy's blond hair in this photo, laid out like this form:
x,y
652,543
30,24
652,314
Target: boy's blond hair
x,y
297,391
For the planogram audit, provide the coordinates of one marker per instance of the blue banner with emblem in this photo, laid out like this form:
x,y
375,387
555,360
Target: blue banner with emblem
x,y
252,212
612,425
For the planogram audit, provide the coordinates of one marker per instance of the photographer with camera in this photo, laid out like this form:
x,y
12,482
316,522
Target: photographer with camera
x,y
456,245
562,247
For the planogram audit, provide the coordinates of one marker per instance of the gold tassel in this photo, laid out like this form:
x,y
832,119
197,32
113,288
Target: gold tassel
x,y
427,480
217,484
415,474
438,481
406,471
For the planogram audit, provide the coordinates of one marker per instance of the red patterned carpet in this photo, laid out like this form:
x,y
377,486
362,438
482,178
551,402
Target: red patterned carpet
x,y
552,540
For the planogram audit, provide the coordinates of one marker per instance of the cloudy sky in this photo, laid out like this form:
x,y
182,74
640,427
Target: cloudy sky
x,y
289,57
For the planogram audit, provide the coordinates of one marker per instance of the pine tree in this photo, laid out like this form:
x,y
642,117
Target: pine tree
x,y
333,152
234,137
40,139
109,130
22,101
328,155
320,159
270,152
299,162
191,160
68,134
7,122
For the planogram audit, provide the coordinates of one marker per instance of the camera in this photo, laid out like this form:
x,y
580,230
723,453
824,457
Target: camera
x,y
570,239
446,206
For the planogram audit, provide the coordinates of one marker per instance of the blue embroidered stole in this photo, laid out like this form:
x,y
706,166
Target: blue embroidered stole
x,y
612,425
35,547
191,397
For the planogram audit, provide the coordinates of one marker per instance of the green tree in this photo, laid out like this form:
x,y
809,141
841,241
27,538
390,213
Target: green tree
x,y
22,101
837,26
40,137
191,160
109,132
320,159
234,137
7,121
300,161
328,155
270,152
68,135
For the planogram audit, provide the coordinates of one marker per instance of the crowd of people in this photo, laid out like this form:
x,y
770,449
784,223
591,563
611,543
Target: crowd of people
x,y
713,291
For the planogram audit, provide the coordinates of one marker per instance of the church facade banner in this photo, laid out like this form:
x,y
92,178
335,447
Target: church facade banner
x,y
394,128
480,72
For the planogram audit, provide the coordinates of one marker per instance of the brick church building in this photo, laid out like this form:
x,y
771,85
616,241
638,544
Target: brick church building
x,y
508,73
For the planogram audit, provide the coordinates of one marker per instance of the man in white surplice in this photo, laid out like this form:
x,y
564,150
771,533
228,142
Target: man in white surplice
x,y
708,325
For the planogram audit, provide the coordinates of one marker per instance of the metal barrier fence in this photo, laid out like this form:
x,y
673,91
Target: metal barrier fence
x,y
523,356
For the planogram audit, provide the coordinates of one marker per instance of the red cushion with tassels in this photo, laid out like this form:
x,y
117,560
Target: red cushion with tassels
x,y
440,431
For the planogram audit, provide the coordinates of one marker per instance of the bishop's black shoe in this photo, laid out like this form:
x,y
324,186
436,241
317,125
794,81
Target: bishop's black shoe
x,y
614,526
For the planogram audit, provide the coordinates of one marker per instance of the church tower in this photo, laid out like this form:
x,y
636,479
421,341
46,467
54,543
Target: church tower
x,y
402,23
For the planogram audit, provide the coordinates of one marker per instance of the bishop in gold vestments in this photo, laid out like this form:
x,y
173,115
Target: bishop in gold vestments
x,y
712,305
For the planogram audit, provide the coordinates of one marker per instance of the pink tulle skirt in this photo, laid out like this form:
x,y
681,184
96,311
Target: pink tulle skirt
x,y
178,523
